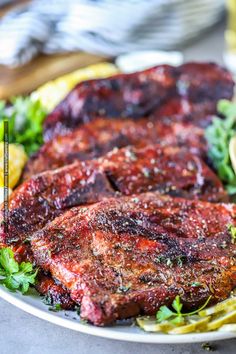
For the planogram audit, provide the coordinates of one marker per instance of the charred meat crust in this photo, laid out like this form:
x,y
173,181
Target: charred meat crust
x,y
100,136
128,256
121,172
54,293
190,88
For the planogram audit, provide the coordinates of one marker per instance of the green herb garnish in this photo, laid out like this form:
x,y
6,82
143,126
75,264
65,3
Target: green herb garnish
x,y
123,289
55,308
176,317
47,299
232,230
196,284
25,117
13,275
218,136
170,262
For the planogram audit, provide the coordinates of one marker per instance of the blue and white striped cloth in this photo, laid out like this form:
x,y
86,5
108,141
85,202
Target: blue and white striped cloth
x,y
107,27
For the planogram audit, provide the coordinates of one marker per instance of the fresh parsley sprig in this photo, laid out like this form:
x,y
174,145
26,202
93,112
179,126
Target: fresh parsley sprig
x,y
13,275
218,136
25,116
176,317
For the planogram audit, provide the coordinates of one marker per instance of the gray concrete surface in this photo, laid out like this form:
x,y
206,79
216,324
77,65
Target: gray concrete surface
x,y
21,333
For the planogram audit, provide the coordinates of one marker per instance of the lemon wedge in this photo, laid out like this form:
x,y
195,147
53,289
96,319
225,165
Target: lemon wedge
x,y
17,160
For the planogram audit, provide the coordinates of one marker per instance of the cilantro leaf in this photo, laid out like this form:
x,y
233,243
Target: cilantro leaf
x,y
15,276
7,261
20,280
177,304
25,118
26,267
164,314
218,136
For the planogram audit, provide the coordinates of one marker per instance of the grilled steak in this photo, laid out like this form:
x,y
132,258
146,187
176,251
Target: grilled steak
x,y
196,87
124,257
147,248
98,137
121,172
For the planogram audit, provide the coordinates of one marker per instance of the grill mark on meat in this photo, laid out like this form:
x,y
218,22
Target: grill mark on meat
x,y
119,224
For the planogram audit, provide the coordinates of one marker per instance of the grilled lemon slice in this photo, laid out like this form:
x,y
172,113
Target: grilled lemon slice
x,y
222,315
196,325
221,306
17,160
149,324
229,317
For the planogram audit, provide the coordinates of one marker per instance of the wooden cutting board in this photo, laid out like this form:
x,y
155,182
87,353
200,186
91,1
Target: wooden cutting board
x,y
26,78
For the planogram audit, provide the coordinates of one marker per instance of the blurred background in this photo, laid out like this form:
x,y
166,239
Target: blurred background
x,y
41,39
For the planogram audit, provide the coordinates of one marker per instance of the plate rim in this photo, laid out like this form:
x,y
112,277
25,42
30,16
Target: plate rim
x,y
109,332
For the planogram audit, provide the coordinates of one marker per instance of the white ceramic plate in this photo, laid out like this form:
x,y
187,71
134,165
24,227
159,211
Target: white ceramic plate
x,y
123,331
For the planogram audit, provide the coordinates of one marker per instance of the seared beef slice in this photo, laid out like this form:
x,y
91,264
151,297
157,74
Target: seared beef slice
x,y
128,256
121,172
100,136
195,87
